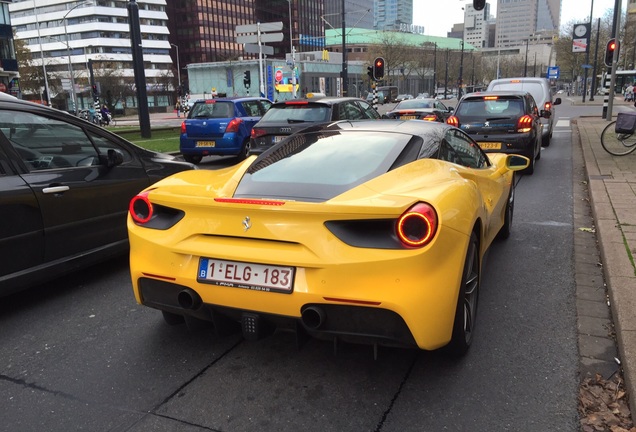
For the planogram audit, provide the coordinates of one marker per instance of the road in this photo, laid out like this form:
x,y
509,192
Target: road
x,y
79,353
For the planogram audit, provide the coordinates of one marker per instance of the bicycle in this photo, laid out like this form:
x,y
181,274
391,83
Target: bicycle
x,y
618,136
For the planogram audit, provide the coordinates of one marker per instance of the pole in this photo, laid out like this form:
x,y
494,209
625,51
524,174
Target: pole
x,y
291,51
525,64
587,56
68,53
461,72
609,95
178,65
261,81
138,68
593,85
344,54
46,80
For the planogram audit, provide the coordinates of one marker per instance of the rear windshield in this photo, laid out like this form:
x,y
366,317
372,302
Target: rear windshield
x,y
212,109
318,166
292,113
483,108
415,103
534,88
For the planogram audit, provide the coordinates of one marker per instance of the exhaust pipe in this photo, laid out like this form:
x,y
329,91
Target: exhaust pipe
x,y
313,317
189,299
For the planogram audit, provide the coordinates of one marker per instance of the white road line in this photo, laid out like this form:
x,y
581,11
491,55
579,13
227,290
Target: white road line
x,y
563,123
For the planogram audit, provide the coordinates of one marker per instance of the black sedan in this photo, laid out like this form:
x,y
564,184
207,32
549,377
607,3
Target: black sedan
x,y
65,186
420,109
284,118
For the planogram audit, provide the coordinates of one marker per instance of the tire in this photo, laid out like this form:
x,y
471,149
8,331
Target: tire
x,y
466,310
539,152
172,319
195,159
617,144
530,169
245,151
504,232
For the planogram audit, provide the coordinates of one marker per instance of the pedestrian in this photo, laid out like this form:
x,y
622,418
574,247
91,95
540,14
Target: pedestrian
x,y
177,106
629,93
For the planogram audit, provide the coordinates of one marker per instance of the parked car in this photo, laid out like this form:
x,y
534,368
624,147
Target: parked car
x,y
542,93
502,121
220,127
65,186
420,109
285,118
423,96
403,97
362,231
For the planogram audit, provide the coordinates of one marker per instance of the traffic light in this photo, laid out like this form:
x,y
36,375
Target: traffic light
x,y
479,4
247,79
370,72
611,52
378,68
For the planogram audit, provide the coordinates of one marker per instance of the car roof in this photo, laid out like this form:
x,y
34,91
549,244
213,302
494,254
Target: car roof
x,y
519,93
232,99
412,127
327,100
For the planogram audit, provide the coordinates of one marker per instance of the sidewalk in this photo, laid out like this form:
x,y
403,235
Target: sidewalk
x,y
611,181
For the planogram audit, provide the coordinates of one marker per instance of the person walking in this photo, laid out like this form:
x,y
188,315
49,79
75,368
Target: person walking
x,y
177,106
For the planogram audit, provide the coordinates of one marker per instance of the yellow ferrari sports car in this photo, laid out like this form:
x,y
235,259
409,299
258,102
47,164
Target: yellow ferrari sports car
x,y
357,231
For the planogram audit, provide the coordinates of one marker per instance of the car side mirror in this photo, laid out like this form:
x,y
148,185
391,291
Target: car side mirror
x,y
113,158
546,114
557,101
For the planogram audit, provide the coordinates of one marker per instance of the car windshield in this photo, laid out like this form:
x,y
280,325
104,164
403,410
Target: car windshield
x,y
293,113
317,166
483,108
212,109
534,88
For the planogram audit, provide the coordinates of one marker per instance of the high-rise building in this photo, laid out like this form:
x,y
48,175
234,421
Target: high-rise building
x,y
519,20
63,35
392,14
9,69
476,26
358,13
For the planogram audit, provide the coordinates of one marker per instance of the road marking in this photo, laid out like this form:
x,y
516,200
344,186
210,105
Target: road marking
x,y
563,123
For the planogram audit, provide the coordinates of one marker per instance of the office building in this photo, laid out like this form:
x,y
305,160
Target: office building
x,y
9,69
392,14
518,20
476,26
358,14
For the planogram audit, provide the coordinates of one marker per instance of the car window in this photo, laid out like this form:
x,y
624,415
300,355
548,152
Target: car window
x,y
103,145
465,149
290,113
253,108
368,110
351,111
46,143
212,110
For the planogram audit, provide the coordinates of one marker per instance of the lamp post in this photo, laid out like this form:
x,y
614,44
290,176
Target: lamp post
x,y
46,80
68,53
291,50
178,66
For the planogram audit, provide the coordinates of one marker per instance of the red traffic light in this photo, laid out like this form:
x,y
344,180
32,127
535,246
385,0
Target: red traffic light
x,y
611,52
378,68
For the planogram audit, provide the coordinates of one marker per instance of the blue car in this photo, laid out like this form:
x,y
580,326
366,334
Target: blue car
x,y
220,127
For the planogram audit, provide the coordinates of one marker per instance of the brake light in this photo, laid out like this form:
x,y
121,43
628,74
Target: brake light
x,y
548,106
296,102
417,226
491,97
402,112
257,133
429,117
234,125
453,121
524,124
210,101
140,208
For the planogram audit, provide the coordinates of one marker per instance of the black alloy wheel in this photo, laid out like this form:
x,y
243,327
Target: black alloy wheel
x,y
244,152
466,311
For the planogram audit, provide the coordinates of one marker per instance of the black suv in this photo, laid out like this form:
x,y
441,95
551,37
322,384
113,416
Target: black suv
x,y
503,122
284,118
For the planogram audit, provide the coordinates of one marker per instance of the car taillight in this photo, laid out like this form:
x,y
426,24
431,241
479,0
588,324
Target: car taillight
x,y
234,125
547,106
417,226
453,121
183,128
524,124
140,208
429,117
257,132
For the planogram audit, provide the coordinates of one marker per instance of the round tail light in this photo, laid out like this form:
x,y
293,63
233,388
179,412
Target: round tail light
x,y
140,208
417,226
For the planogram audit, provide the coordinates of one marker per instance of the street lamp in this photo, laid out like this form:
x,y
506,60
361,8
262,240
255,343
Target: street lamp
x,y
178,66
46,80
291,51
68,53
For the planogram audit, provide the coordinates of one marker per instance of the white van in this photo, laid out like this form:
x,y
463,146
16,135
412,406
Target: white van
x,y
542,93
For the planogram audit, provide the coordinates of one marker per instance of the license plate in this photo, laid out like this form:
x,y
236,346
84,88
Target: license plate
x,y
257,277
206,143
408,117
490,145
279,138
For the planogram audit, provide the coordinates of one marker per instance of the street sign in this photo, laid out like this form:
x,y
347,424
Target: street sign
x,y
264,27
253,49
553,72
66,84
586,66
265,37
